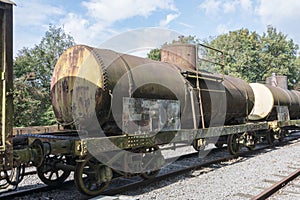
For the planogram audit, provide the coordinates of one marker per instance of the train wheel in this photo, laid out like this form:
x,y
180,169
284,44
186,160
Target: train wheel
x,y
150,163
92,177
234,144
270,137
49,173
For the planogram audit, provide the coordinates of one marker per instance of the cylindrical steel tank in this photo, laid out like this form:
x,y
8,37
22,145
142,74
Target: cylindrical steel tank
x,y
184,55
268,97
85,79
224,98
89,84
278,81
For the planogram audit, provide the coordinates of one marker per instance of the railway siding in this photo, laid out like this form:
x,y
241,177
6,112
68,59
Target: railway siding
x,y
242,180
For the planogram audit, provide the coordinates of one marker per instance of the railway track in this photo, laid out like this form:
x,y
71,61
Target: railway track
x,y
275,188
199,166
131,184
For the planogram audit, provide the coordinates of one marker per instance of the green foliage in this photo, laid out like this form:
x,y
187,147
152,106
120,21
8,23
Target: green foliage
x,y
154,54
254,57
33,68
248,55
241,54
297,63
191,39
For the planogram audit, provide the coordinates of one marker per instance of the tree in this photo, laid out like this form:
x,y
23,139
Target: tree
x,y
278,54
33,69
248,55
297,86
154,54
241,54
254,57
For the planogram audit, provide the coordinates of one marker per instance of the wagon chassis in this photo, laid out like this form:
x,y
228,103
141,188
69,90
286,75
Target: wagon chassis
x,y
57,154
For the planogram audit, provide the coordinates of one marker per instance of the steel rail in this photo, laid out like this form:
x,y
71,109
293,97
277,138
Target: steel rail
x,y
132,186
24,192
277,186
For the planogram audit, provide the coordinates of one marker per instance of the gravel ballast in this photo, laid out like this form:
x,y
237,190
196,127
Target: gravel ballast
x,y
242,180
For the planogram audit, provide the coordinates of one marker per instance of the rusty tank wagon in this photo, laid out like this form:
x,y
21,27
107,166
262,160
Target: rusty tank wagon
x,y
89,81
118,110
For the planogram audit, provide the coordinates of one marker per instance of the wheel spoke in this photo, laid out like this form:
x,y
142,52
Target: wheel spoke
x,y
51,174
88,175
57,174
48,172
233,143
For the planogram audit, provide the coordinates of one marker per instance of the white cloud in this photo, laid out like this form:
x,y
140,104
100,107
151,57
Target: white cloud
x,y
218,7
139,40
101,15
169,18
77,26
89,24
277,11
284,15
229,6
31,20
34,13
110,11
211,7
222,28
246,5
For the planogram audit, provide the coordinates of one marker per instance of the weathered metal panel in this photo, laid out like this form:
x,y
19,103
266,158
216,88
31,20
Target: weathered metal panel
x,y
73,86
150,115
295,122
277,81
37,129
7,2
100,144
180,54
2,63
283,97
225,99
283,113
6,75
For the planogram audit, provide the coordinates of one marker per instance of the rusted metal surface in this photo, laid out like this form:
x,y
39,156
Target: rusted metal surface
x,y
294,108
150,116
277,81
180,54
85,80
37,130
240,97
6,85
68,71
226,100
283,97
89,82
7,2
295,122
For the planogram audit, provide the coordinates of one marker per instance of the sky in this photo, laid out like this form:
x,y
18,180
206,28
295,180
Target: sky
x,y
94,22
